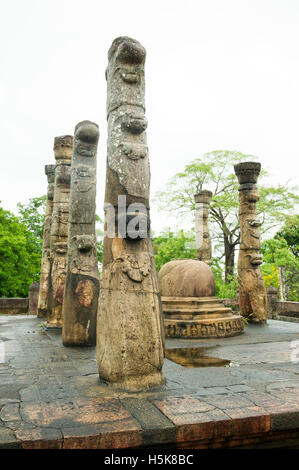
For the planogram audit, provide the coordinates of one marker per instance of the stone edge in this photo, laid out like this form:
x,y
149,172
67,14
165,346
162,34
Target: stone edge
x,y
158,429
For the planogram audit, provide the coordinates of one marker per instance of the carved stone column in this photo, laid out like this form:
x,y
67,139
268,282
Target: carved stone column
x,y
81,293
59,228
130,341
45,265
202,208
33,298
283,287
271,302
252,291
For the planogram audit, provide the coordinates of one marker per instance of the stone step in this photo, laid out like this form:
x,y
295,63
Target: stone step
x,y
190,300
179,316
197,311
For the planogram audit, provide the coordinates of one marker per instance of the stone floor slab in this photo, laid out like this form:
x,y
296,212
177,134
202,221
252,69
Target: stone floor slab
x,y
51,396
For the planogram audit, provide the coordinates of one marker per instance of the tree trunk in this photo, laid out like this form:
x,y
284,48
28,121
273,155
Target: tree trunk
x,y
229,260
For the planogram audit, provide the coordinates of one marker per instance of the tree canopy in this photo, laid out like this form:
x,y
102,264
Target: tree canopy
x,y
170,246
277,253
20,256
290,233
33,216
21,242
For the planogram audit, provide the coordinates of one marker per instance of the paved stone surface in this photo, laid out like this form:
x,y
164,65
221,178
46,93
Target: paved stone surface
x,y
51,396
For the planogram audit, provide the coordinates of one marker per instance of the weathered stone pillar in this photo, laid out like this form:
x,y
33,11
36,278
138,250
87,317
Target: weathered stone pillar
x,y
59,228
81,293
252,291
130,340
283,287
271,302
203,240
45,266
33,298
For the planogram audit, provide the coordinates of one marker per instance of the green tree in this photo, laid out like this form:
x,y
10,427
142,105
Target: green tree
x,y
170,246
290,232
223,290
215,171
20,257
277,253
33,216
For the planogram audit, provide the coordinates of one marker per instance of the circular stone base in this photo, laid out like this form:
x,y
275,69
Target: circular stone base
x,y
199,317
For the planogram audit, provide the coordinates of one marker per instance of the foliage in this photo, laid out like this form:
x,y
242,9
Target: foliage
x,y
213,170
33,216
224,290
290,232
20,256
228,290
170,246
277,253
275,203
21,241
270,275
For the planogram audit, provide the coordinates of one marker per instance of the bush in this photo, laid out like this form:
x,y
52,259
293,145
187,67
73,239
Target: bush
x,y
20,256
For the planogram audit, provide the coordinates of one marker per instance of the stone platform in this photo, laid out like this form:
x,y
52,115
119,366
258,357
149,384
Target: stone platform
x,y
199,317
51,397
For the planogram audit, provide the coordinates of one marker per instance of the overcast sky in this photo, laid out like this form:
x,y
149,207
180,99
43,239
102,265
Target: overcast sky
x,y
220,74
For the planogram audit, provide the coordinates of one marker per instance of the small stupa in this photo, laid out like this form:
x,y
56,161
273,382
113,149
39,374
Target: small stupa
x,y
190,306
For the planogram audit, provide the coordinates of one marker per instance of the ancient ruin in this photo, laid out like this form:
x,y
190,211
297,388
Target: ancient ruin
x,y
45,264
252,292
53,397
190,307
33,298
130,346
59,229
81,293
202,208
282,283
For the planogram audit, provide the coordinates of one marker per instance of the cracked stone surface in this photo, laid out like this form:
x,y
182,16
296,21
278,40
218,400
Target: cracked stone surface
x,y
52,397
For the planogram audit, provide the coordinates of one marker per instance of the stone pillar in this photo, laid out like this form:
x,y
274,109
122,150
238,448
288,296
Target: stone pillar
x,y
33,298
283,288
252,291
130,337
271,301
203,240
81,293
59,229
45,266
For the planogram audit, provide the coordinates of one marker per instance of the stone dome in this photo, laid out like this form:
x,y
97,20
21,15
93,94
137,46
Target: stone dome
x,y
186,278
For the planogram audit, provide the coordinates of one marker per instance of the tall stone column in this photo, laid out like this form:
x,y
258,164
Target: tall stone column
x,y
283,287
81,293
252,291
59,228
271,301
45,265
202,208
130,338
33,298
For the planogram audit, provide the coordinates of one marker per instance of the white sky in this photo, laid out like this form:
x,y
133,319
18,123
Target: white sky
x,y
220,74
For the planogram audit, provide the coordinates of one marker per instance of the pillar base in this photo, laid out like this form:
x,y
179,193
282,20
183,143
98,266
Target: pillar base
x,y
199,317
136,383
53,325
42,313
